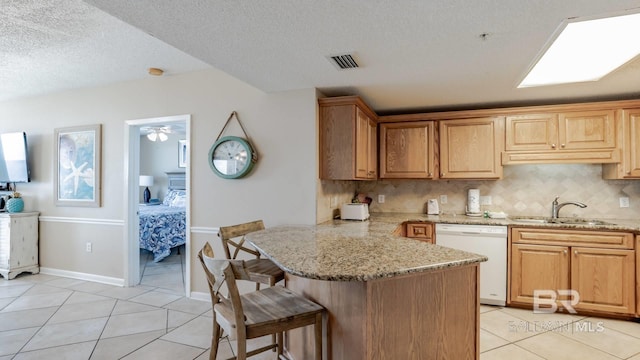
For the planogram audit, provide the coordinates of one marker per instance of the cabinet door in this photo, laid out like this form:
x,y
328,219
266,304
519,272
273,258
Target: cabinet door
x,y
337,131
531,132
537,267
604,279
631,147
587,130
470,148
638,275
407,150
366,163
5,242
372,158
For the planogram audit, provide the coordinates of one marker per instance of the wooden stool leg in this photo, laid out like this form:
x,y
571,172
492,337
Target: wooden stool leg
x,y
317,327
242,349
280,343
215,339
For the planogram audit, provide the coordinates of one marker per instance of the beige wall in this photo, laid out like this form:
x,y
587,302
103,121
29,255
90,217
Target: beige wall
x,y
281,189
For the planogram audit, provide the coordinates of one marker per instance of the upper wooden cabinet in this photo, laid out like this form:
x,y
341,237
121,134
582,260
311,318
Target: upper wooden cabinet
x,y
629,166
470,148
407,150
348,139
564,137
531,132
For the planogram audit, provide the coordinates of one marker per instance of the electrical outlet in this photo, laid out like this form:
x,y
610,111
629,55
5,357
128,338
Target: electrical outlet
x,y
381,199
88,247
443,199
624,202
485,200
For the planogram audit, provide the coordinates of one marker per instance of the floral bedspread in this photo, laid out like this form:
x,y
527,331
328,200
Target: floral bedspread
x,y
162,228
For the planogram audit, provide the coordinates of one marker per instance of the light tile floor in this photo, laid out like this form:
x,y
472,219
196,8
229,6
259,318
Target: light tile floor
x,y
44,316
510,333
167,274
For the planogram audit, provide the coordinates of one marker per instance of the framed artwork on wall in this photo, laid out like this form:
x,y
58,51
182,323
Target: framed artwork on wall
x,y
182,153
77,175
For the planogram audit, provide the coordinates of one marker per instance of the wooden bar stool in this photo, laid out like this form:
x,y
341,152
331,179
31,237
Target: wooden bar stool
x,y
273,310
261,271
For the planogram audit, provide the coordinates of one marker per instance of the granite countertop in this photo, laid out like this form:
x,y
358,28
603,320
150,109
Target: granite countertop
x,y
630,225
342,250
353,251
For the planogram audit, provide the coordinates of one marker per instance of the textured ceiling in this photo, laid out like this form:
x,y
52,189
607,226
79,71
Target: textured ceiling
x,y
414,54
54,45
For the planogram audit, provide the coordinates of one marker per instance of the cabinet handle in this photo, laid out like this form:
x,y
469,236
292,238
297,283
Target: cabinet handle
x,y
430,174
441,174
553,146
561,145
575,252
565,252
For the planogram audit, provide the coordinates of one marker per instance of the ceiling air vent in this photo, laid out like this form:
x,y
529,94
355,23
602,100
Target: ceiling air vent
x,y
343,62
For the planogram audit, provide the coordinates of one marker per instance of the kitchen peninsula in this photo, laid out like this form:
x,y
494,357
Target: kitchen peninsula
x,y
388,297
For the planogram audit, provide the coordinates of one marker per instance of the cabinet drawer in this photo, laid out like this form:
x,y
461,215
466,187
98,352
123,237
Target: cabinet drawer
x,y
420,231
588,238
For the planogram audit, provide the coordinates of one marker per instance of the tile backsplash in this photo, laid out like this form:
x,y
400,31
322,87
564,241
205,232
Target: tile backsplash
x,y
524,190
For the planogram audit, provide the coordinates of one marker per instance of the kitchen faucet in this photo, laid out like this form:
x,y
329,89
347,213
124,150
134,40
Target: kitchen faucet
x,y
555,207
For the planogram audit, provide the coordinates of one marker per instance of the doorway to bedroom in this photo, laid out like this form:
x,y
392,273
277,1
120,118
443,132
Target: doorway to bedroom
x,y
158,203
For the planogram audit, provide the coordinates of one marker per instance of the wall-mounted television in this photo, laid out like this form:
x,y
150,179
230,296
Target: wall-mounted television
x,y
14,164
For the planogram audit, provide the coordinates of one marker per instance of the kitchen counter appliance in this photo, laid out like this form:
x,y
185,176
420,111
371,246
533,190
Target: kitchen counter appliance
x,y
354,211
488,240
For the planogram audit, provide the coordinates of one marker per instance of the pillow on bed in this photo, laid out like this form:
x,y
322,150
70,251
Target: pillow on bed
x,y
171,195
179,200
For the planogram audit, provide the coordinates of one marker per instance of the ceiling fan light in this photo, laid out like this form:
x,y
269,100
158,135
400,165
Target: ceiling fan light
x,y
162,136
153,136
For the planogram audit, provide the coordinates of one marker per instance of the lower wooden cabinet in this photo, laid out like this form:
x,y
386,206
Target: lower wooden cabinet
x,y
420,231
638,275
600,266
537,267
604,278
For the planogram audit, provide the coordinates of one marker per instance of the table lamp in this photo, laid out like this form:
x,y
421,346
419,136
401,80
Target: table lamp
x,y
146,180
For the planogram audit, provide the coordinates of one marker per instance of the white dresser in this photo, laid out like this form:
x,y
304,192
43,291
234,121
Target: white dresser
x,y
18,244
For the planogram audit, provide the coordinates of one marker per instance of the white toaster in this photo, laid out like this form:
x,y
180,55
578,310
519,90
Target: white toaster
x,y
354,212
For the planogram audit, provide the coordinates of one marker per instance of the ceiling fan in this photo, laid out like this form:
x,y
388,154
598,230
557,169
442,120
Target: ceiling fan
x,y
155,133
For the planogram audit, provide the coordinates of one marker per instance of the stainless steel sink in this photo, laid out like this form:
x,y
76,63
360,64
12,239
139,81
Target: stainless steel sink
x,y
567,221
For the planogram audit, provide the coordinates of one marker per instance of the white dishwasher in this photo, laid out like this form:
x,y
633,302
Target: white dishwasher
x,y
487,240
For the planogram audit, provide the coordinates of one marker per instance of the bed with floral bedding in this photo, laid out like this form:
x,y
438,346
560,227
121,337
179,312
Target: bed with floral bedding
x,y
163,227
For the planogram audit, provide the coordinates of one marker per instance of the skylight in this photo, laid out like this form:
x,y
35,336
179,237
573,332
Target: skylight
x,y
587,51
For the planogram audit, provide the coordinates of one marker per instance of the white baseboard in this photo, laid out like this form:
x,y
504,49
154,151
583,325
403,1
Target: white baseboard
x,y
83,276
196,295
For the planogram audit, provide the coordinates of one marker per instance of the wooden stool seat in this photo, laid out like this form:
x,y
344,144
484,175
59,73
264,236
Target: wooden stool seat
x,y
265,310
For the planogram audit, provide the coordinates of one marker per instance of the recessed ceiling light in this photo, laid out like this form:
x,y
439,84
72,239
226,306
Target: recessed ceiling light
x,y
586,51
